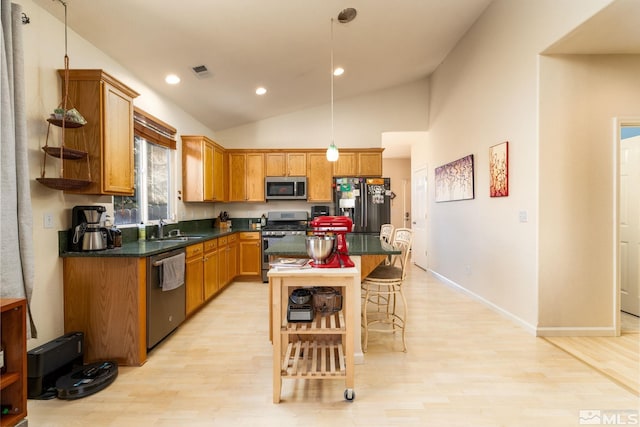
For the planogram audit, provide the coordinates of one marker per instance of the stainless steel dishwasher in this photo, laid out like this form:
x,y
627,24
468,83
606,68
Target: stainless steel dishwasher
x,y
165,309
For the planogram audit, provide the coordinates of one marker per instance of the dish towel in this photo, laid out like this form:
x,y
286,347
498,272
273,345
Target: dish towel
x,y
172,272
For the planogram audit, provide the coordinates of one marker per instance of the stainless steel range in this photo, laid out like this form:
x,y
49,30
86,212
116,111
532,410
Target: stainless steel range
x,y
279,225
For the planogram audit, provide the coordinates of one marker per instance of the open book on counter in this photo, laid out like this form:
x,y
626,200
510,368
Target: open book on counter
x,y
286,263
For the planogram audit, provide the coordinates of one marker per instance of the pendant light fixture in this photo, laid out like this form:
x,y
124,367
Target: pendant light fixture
x,y
347,15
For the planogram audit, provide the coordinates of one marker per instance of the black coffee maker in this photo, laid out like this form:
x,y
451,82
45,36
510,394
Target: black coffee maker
x,y
317,211
86,234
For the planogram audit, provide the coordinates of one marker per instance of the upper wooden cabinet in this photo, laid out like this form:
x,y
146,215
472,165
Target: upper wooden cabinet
x,y
202,170
246,176
286,163
347,164
366,162
319,179
107,105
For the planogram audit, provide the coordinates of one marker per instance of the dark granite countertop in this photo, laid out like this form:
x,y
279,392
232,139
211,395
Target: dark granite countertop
x,y
145,248
359,244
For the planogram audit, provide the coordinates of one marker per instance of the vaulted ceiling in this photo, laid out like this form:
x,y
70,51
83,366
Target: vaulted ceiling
x,y
283,45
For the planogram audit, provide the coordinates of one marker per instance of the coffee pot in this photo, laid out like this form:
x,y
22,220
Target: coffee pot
x,y
86,234
94,239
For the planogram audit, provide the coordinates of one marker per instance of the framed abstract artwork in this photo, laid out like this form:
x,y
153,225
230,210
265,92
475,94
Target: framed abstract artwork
x,y
454,181
499,170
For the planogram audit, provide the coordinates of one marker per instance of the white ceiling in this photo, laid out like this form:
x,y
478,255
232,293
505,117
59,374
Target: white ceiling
x,y
283,45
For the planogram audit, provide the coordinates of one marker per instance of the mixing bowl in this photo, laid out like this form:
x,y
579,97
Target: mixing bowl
x,y
320,247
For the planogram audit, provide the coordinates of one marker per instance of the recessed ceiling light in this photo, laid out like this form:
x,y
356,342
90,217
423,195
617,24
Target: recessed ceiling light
x,y
338,71
172,79
261,91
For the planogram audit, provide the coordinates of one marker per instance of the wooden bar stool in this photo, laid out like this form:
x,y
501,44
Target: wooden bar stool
x,y
381,311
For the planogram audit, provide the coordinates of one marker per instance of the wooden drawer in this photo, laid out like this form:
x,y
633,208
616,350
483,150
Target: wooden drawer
x,y
222,240
194,250
249,235
210,245
232,238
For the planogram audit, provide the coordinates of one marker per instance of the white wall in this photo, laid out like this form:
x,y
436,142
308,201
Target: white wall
x,y
44,54
358,122
579,97
484,93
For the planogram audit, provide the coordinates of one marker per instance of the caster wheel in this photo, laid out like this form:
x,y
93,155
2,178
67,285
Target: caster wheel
x,y
349,394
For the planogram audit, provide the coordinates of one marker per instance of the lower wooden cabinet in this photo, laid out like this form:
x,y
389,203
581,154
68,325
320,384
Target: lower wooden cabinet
x,y
223,261
194,277
105,298
232,249
249,248
210,267
13,387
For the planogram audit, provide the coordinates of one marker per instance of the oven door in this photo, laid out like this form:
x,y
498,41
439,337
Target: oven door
x,y
266,242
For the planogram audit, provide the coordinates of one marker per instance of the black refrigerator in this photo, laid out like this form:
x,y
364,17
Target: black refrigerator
x,y
367,201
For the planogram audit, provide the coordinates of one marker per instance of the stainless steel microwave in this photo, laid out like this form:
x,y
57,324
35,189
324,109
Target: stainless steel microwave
x,y
285,187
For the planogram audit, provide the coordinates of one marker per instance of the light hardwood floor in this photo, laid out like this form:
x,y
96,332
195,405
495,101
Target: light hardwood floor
x,y
466,365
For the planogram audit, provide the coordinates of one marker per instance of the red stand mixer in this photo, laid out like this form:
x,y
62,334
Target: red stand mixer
x,y
337,226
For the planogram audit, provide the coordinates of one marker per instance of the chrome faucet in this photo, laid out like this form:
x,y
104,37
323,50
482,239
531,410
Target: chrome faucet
x,y
161,225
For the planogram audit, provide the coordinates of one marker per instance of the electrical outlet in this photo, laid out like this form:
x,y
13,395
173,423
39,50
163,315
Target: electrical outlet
x,y
47,220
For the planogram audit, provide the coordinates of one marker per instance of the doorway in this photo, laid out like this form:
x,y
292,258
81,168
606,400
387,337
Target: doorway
x,y
628,207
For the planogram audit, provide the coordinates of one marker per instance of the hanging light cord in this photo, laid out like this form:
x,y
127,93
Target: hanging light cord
x,y
332,131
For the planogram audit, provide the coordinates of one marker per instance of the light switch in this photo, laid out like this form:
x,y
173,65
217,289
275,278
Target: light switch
x,y
47,220
522,215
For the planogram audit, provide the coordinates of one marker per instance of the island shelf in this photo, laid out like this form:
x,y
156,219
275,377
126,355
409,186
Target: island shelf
x,y
322,348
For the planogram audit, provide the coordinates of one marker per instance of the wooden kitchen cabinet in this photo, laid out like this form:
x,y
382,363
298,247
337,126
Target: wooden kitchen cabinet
x,y
107,106
105,298
286,164
194,277
346,165
223,261
370,163
366,162
319,178
210,268
232,248
250,260
202,170
246,177
227,259
13,383
219,174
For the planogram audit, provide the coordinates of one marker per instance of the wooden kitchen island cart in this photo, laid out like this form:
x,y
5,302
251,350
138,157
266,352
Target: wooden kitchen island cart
x,y
318,350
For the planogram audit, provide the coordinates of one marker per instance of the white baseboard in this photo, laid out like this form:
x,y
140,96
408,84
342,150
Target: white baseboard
x,y
576,331
515,319
560,331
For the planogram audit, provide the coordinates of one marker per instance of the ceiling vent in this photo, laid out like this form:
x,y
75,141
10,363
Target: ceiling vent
x,y
201,71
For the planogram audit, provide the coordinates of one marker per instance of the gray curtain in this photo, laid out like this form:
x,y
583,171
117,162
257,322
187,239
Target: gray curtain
x,y
16,221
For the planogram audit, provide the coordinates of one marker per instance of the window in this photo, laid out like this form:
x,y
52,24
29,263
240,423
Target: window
x,y
154,145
